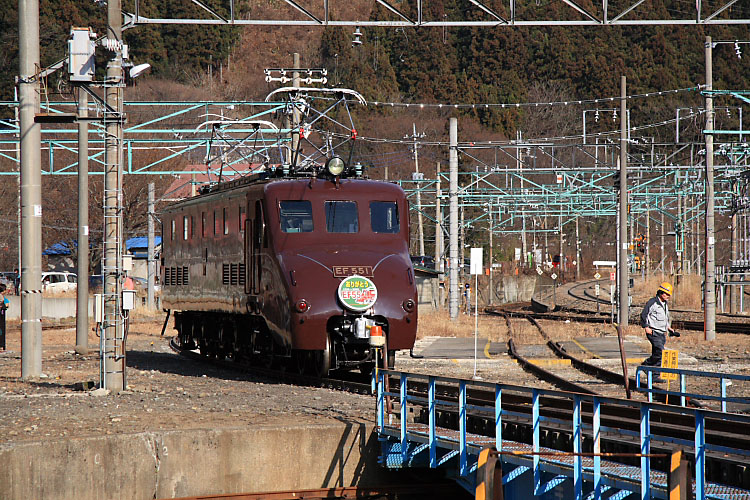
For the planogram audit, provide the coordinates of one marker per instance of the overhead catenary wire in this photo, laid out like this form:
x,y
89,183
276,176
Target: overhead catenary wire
x,y
509,105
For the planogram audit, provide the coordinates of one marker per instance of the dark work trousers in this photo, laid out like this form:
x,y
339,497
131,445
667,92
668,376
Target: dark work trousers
x,y
2,328
657,346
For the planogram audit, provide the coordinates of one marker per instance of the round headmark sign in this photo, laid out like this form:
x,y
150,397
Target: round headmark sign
x,y
358,293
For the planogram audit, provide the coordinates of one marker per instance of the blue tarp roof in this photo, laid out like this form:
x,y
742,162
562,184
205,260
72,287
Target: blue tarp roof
x,y
141,242
59,248
133,245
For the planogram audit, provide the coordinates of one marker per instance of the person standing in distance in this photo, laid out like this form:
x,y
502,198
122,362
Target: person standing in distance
x,y
656,323
4,303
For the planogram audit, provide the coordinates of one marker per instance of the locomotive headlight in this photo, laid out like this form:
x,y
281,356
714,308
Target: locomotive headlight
x,y
302,306
335,166
408,305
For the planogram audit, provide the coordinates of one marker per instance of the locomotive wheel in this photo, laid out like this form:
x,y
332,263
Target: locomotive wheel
x,y
265,361
320,362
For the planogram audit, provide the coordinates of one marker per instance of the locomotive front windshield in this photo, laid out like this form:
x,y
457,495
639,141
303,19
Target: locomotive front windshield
x,y
296,216
341,217
384,217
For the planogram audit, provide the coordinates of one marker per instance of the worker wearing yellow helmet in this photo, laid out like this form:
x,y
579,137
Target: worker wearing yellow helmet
x,y
656,323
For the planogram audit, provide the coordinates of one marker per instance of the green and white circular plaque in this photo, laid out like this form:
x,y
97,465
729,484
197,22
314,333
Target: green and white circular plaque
x,y
358,293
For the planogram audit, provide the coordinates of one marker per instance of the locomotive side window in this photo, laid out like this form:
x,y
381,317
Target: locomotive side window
x,y
242,220
225,220
384,217
203,224
296,216
192,227
341,217
216,223
174,227
185,227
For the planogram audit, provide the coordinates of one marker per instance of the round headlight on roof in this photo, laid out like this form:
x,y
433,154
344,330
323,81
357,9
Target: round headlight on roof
x,y
335,165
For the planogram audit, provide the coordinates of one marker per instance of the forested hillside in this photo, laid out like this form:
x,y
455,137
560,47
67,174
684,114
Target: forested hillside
x,y
405,65
468,65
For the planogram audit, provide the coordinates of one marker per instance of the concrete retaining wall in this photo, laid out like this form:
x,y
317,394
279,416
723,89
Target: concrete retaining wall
x,y
52,307
168,464
507,289
518,288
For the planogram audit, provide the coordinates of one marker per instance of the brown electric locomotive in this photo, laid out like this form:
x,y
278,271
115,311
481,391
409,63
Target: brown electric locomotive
x,y
305,270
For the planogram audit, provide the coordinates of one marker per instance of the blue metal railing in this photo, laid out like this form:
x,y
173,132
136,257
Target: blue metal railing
x,y
467,449
724,382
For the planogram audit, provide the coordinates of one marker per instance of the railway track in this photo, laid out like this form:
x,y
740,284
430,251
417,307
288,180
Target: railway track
x,y
587,316
517,423
622,424
583,376
585,297
345,381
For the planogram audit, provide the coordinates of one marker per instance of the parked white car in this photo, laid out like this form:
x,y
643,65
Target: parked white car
x,y
59,282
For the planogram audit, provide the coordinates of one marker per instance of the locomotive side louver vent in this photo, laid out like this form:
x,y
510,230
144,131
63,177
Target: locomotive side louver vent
x,y
185,276
173,276
234,278
179,276
242,274
225,274
166,277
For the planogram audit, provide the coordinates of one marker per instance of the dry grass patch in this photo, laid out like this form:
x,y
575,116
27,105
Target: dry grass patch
x,y
686,296
439,324
560,331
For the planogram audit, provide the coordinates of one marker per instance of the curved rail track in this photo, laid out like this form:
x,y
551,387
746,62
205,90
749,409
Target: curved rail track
x,y
582,296
518,421
562,313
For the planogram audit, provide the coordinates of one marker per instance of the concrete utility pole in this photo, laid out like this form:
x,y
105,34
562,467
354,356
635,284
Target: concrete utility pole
x,y
692,235
647,244
561,265
439,237
699,272
545,255
113,328
82,291
709,321
663,230
519,167
420,226
685,269
453,230
679,236
578,253
618,245
623,250
31,189
523,238
733,256
295,110
490,290
151,257
461,242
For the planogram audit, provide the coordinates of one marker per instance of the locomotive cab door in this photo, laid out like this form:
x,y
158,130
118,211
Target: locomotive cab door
x,y
248,256
255,235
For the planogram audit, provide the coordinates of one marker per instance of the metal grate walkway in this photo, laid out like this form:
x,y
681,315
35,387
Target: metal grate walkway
x,y
531,469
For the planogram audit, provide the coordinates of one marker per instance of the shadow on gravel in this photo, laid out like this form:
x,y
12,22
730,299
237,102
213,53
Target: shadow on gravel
x,y
165,362
44,384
